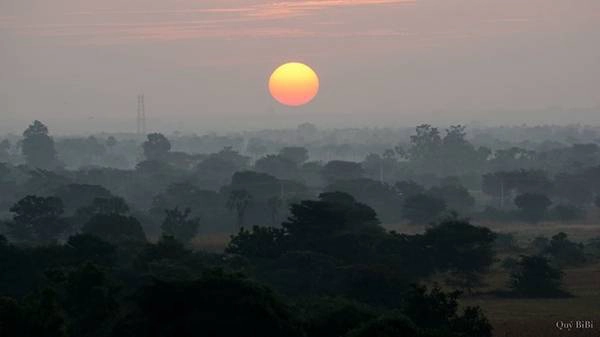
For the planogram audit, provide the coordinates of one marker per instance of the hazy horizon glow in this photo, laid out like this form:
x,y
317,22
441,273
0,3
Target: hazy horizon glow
x,y
78,65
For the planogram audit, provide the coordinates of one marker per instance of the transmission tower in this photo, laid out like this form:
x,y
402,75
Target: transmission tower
x,y
141,116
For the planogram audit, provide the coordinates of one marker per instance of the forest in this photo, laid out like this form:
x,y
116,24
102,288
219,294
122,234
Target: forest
x,y
370,232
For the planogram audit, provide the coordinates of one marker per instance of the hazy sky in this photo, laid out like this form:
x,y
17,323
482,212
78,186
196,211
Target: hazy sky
x,y
204,64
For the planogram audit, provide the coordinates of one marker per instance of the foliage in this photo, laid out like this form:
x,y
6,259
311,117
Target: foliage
x,y
37,219
262,242
459,246
565,252
179,225
422,208
238,202
215,305
438,312
115,228
156,147
533,206
341,170
38,147
535,277
333,316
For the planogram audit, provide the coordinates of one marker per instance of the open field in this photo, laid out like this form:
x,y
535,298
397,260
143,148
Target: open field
x,y
537,317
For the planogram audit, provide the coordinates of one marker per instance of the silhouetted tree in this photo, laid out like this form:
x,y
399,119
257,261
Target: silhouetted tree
x,y
91,248
238,202
408,188
295,154
456,197
438,312
39,314
215,305
75,196
277,166
341,170
115,228
4,148
90,300
535,277
461,248
422,208
37,219
333,316
156,147
179,225
261,242
533,206
565,252
38,147
111,142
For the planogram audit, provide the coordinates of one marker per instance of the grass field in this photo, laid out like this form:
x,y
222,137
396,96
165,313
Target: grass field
x,y
538,317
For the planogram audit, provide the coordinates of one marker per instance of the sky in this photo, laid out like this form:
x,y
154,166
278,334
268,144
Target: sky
x,y
203,65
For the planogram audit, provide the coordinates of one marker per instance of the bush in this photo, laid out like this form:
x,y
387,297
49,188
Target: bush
x,y
565,252
535,277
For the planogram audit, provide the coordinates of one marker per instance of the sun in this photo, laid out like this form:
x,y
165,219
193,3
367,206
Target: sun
x,y
294,84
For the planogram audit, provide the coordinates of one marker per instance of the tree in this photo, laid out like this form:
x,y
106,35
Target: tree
x,y
261,242
422,208
425,144
381,197
336,225
565,252
4,150
534,277
438,312
408,188
274,205
38,147
277,166
333,316
217,304
533,206
111,142
90,248
111,205
456,197
461,248
90,300
75,196
179,225
341,170
238,202
115,228
37,219
156,147
295,154
39,314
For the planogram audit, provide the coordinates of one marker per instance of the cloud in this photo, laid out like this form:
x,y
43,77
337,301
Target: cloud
x,y
230,19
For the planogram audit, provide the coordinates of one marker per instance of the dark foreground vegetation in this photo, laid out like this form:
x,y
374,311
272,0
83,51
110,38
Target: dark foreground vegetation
x,y
92,247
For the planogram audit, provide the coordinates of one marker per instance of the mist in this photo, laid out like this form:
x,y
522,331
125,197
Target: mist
x,y
204,67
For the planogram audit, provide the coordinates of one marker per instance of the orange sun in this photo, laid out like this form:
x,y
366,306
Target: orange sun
x,y
294,84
